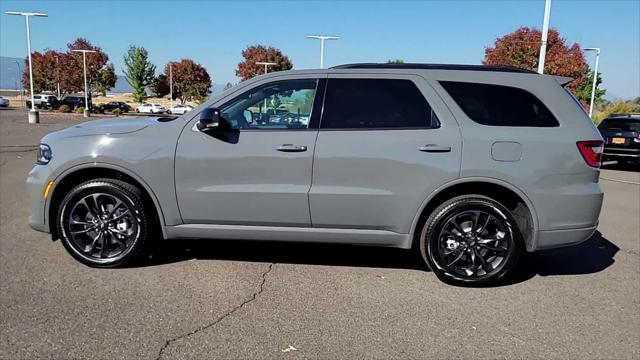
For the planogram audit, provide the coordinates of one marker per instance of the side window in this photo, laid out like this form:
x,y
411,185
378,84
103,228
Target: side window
x,y
498,105
284,104
375,104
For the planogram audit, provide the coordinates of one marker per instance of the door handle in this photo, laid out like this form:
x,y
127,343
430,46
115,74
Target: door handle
x,y
433,148
292,148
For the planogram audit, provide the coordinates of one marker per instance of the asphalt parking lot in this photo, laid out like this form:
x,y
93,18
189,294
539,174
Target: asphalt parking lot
x,y
260,300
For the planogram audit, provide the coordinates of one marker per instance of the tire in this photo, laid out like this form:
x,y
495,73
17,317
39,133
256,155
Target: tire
x,y
111,224
471,240
169,112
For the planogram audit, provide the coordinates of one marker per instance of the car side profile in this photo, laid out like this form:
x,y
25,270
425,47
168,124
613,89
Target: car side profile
x,y
467,165
179,109
151,108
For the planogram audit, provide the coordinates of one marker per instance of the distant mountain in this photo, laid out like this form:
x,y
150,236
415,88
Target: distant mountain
x,y
10,77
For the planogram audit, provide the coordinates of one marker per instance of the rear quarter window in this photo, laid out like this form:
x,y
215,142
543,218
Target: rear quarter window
x,y
498,105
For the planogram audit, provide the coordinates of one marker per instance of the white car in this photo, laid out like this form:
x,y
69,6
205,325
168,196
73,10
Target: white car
x,y
180,109
151,108
4,102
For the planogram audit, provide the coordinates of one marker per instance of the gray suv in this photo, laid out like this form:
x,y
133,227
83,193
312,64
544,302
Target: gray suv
x,y
468,165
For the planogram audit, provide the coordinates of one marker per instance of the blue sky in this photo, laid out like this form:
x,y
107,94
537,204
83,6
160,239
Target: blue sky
x,y
213,33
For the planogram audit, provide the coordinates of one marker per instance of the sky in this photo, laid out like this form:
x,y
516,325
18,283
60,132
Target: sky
x,y
214,33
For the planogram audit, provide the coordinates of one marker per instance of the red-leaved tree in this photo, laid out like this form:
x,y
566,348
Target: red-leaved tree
x,y
521,48
191,81
260,53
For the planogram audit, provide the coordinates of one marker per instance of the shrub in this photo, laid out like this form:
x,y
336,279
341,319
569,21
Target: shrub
x,y
116,112
97,109
80,110
64,109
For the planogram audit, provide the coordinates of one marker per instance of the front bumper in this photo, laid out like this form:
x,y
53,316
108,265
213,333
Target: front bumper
x,y
37,180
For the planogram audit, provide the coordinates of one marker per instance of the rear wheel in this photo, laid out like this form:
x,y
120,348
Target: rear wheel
x,y
472,240
104,223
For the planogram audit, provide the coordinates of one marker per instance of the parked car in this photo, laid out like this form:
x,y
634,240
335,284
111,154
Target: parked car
x,y
74,102
44,101
4,102
180,109
110,106
151,108
469,165
621,134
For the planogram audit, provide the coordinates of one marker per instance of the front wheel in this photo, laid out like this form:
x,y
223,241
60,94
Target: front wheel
x,y
104,223
471,240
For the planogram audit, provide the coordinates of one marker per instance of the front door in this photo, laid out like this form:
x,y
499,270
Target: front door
x,y
259,173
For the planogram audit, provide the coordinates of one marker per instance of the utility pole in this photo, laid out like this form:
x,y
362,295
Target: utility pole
x,y
545,33
170,84
266,65
34,116
322,38
58,74
595,78
87,106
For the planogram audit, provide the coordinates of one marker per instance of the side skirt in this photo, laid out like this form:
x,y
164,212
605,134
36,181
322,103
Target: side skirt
x,y
295,234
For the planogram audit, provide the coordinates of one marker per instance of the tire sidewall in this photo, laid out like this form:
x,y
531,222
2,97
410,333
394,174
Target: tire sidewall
x,y
433,224
132,201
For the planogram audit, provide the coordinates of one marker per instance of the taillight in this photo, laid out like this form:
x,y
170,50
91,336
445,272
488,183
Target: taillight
x,y
591,151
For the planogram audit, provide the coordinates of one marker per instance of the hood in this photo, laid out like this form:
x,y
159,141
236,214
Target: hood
x,y
106,126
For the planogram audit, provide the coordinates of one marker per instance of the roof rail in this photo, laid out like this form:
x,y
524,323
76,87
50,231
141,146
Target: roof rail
x,y
497,68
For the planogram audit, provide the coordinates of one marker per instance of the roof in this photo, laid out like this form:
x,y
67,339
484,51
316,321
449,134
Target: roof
x,y
624,116
434,67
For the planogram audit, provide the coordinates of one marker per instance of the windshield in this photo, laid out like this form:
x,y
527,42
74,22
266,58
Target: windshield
x,y
620,124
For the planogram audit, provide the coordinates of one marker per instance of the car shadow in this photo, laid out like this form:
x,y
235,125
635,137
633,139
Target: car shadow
x,y
592,256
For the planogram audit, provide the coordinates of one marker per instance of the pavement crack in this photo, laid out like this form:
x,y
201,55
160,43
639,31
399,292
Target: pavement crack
x,y
253,297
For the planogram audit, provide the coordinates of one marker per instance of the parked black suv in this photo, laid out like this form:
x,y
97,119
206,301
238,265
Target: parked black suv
x,y
108,107
621,134
74,102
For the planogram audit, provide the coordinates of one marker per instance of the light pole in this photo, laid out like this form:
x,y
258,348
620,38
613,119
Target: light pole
x,y
58,74
33,114
87,108
322,38
19,79
595,78
170,85
545,32
266,65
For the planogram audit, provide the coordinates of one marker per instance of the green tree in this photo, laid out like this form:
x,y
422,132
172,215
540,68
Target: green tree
x,y
105,79
395,61
160,86
139,71
583,93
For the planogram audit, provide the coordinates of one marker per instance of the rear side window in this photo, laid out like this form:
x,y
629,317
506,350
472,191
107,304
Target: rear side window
x,y
620,124
497,105
375,104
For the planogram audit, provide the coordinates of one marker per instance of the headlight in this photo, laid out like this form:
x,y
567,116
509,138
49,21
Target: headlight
x,y
44,154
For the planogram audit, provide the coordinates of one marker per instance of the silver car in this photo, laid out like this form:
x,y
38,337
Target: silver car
x,y
468,165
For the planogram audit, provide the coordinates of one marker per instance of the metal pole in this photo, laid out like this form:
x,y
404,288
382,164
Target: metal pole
x,y
86,98
170,85
33,104
58,75
322,38
321,53
595,79
545,33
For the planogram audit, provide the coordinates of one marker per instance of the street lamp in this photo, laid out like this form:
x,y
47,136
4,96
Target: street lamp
x,y
595,77
170,85
266,65
322,38
87,109
545,32
33,114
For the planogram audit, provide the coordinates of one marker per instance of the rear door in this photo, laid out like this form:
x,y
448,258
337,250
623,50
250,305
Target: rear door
x,y
384,145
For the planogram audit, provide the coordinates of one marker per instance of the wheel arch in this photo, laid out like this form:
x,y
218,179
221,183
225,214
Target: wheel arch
x,y
83,172
507,194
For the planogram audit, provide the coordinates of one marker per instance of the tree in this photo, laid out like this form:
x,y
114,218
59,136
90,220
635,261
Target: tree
x,y
67,69
45,73
521,48
139,71
260,53
160,86
395,61
584,92
227,87
191,81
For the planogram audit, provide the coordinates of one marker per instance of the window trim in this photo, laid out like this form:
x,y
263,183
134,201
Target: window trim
x,y
427,127
318,102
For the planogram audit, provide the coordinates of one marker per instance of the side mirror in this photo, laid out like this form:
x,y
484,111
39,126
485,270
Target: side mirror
x,y
210,120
